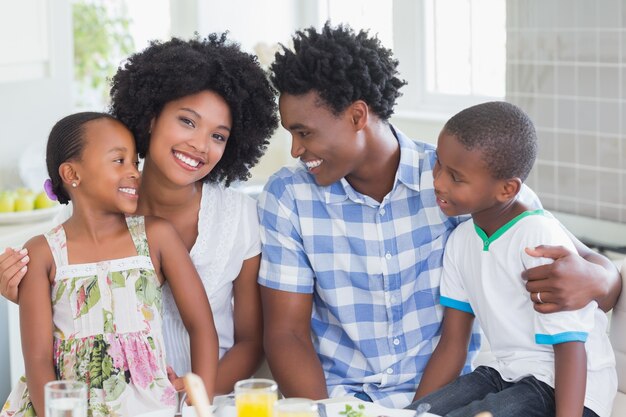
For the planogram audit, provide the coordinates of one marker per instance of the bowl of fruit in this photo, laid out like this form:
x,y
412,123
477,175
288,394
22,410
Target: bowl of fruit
x,y
24,205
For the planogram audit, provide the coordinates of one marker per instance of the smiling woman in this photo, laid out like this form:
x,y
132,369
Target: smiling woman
x,y
201,112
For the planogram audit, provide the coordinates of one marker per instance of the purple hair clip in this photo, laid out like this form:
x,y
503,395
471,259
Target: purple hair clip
x,y
47,187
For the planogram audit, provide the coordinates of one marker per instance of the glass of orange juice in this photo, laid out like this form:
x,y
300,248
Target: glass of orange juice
x,y
295,407
255,397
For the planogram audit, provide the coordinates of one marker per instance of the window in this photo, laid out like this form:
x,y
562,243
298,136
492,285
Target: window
x,y
375,15
452,52
106,32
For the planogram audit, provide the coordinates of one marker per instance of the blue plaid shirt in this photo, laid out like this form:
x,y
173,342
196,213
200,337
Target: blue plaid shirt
x,y
373,268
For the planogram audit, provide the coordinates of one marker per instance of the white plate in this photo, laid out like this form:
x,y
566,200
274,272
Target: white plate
x,y
370,410
158,413
30,216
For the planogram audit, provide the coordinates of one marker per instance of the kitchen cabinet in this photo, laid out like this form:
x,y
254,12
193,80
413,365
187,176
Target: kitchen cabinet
x,y
24,34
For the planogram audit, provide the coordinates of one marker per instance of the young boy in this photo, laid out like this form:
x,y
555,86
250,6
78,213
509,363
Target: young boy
x,y
545,364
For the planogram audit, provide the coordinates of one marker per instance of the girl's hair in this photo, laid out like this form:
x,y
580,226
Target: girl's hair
x,y
168,71
66,143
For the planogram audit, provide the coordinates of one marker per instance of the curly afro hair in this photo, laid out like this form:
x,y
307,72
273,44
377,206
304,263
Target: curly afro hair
x,y
502,132
167,71
342,67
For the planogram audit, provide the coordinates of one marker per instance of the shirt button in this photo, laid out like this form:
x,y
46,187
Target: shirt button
x,y
396,342
382,212
388,256
392,299
389,371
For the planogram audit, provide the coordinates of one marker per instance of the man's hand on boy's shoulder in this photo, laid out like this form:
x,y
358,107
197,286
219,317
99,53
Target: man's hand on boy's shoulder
x,y
568,283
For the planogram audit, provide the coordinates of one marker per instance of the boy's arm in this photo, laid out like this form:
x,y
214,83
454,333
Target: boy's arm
x,y
168,251
449,356
36,325
570,362
573,280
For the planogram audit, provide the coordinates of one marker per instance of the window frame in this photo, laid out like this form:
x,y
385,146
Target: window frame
x,y
410,28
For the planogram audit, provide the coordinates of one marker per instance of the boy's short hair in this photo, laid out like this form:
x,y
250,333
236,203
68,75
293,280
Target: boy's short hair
x,y
342,67
502,132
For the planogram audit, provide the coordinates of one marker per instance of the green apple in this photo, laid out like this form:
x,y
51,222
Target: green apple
x,y
25,202
23,191
42,201
7,202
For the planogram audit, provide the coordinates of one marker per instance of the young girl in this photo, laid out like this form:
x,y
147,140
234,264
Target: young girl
x,y
206,102
90,303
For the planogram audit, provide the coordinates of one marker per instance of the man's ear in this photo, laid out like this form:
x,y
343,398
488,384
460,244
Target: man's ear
x,y
359,113
69,174
509,189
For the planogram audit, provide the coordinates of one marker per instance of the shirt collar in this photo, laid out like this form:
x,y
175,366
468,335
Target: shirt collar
x,y
408,173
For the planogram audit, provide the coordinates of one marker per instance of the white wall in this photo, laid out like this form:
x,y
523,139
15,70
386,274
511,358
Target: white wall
x,y
426,130
29,107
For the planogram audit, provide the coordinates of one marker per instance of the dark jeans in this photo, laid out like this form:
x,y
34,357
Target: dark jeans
x,y
485,390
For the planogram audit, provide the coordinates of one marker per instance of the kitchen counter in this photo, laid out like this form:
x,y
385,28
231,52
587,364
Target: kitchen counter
x,y
14,235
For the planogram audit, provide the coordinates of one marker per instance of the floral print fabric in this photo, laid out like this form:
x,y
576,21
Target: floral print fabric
x,y
107,321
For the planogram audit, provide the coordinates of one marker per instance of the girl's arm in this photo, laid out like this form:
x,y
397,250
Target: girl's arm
x,y
446,362
243,359
36,325
570,363
169,252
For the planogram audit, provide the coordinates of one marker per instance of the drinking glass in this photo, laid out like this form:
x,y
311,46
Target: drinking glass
x,y
65,399
295,407
224,406
255,397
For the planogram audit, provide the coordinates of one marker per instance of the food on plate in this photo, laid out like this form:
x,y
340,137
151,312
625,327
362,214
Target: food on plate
x,y
351,411
24,199
43,201
7,202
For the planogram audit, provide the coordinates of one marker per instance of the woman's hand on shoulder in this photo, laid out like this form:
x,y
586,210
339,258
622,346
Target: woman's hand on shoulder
x,y
13,267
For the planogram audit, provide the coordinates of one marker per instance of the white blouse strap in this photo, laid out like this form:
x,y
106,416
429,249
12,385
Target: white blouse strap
x,y
137,229
58,245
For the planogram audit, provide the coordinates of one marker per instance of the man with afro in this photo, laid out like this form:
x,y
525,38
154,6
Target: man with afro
x,y
353,238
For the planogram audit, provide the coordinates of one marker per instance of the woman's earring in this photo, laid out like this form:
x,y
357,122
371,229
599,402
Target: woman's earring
x,y
74,185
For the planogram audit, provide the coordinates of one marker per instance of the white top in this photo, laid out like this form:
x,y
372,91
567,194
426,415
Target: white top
x,y
483,276
228,234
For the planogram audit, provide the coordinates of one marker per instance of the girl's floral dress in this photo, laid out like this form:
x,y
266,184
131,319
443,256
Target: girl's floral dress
x,y
107,331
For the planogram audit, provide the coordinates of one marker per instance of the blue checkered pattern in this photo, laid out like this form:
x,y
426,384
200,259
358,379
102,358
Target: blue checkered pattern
x,y
374,269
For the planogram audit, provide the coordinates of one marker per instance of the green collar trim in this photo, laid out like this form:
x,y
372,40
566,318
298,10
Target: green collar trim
x,y
489,240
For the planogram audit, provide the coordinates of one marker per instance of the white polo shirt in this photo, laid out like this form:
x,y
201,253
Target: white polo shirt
x,y
482,276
